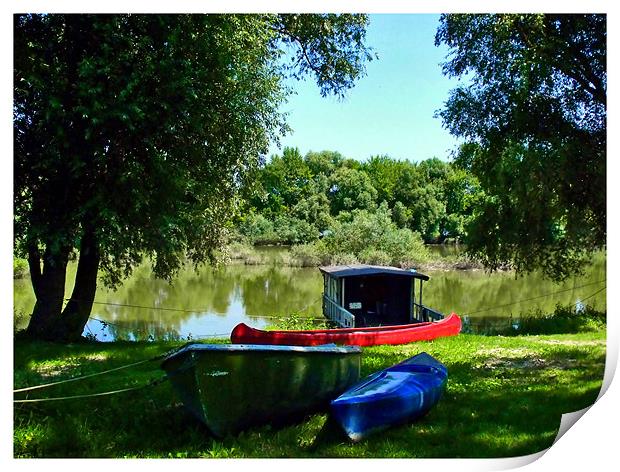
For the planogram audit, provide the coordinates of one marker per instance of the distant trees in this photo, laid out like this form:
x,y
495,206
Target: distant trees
x,y
533,112
431,198
285,181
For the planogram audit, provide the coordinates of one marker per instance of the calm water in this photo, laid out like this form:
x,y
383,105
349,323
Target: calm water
x,y
211,303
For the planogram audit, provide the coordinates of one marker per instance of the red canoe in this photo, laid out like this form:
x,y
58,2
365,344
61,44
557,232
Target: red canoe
x,y
370,336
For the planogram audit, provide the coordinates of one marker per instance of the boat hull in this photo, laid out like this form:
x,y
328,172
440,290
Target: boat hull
x,y
371,336
396,395
232,387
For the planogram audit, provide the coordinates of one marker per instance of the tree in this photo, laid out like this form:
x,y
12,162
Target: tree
x,y
351,189
293,230
133,134
533,114
428,210
257,229
324,162
401,215
314,210
461,195
365,234
284,181
384,172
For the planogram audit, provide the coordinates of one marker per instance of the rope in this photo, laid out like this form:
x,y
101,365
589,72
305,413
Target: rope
x,y
201,336
214,335
543,296
595,293
311,303
82,377
91,395
127,305
276,317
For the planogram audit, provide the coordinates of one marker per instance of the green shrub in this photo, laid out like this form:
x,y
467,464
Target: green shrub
x,y
565,319
309,255
291,230
239,250
343,258
297,321
20,268
375,257
258,229
368,236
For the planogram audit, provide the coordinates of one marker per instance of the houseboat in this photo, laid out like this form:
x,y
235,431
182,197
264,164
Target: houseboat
x,y
370,305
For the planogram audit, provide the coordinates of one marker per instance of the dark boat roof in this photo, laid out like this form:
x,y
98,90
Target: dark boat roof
x,y
364,269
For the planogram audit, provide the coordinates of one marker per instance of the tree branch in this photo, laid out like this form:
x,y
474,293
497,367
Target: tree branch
x,y
284,32
583,76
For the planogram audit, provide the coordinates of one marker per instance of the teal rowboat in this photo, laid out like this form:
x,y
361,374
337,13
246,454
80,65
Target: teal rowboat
x,y
230,387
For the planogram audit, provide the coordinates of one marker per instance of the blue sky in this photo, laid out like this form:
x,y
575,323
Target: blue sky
x,y
390,110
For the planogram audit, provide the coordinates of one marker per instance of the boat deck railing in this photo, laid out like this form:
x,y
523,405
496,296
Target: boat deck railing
x,y
427,314
345,319
338,314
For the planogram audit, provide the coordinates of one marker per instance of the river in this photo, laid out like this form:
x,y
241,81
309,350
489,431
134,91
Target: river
x,y
210,303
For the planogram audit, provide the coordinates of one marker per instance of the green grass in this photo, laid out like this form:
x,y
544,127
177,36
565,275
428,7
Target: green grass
x,y
505,397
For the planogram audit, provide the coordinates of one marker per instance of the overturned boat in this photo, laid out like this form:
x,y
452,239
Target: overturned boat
x,y
233,387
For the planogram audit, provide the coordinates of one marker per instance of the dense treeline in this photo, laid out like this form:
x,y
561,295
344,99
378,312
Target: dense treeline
x,y
299,199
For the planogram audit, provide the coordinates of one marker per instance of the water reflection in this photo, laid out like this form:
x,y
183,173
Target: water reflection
x,y
212,302
201,305
495,299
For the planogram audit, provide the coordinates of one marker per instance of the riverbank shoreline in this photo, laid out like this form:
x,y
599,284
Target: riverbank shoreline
x,y
262,255
302,256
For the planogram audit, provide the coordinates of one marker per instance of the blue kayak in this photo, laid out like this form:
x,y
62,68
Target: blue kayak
x,y
395,395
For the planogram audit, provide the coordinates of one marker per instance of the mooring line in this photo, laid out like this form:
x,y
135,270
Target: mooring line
x,y
595,293
215,335
82,377
276,317
145,307
201,336
127,305
91,395
542,296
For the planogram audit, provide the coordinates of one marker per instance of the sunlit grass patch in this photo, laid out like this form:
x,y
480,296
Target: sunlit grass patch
x,y
65,367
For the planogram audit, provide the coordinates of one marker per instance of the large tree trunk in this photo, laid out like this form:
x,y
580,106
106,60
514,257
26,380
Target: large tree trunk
x,y
49,289
78,309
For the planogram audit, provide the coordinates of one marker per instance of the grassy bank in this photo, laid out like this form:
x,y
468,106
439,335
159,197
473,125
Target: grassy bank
x,y
314,255
505,397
